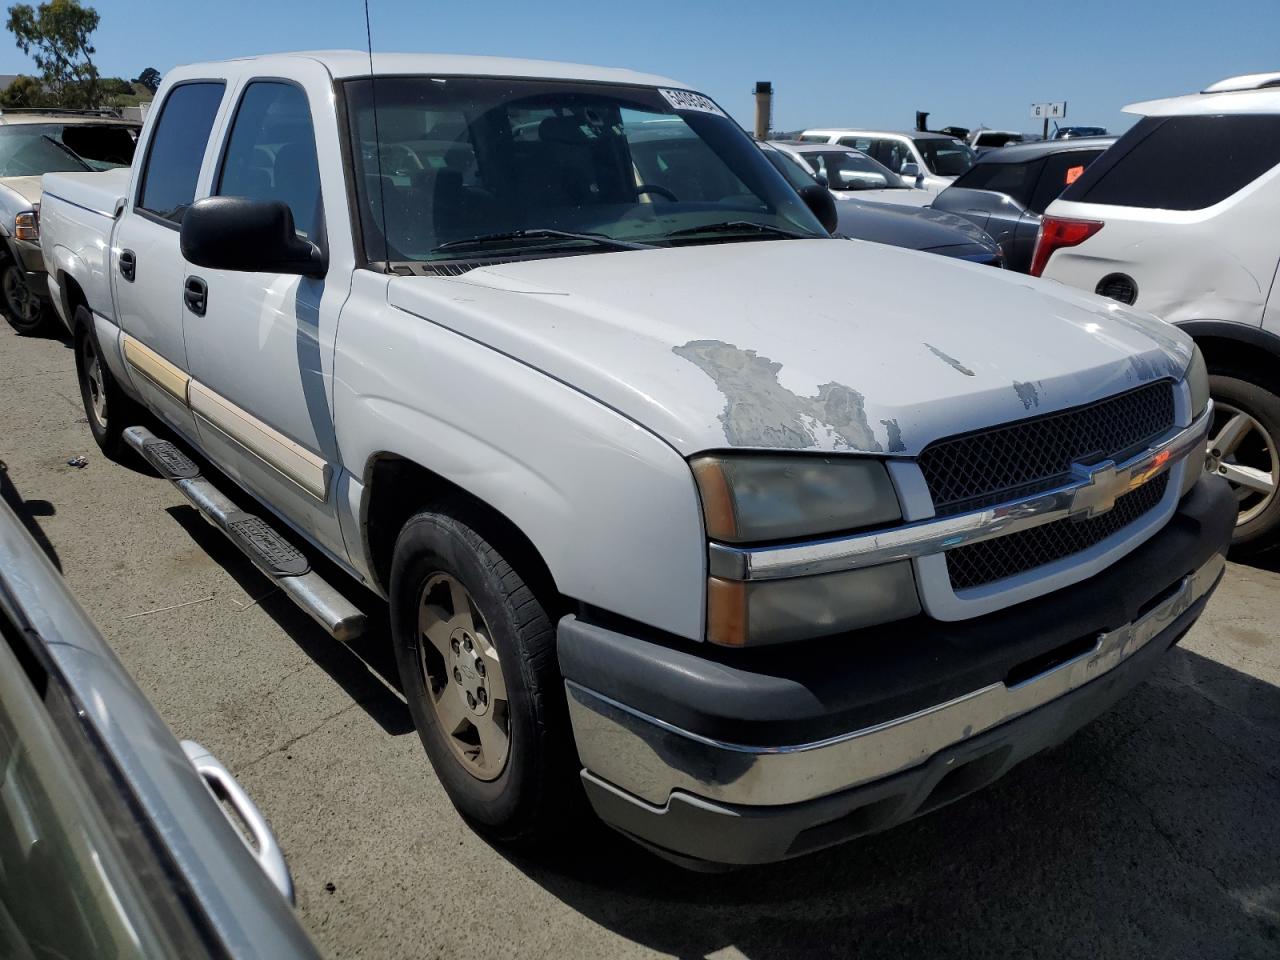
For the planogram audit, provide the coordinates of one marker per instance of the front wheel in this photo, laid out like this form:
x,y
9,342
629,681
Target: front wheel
x,y
26,312
1242,450
475,649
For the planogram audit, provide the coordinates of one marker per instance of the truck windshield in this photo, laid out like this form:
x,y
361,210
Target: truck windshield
x,y
30,149
462,158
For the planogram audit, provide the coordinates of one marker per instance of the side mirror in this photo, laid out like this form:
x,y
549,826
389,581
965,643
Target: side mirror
x,y
822,179
253,236
819,200
910,170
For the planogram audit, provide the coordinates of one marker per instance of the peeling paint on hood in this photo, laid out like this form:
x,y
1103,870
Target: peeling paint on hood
x,y
820,345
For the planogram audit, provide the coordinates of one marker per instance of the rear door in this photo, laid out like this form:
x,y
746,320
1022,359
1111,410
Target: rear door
x,y
146,259
260,346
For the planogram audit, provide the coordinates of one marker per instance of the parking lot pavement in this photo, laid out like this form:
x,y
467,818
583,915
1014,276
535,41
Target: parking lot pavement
x,y
1155,832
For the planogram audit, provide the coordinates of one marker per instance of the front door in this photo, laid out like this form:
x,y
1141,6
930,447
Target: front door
x,y
146,262
258,354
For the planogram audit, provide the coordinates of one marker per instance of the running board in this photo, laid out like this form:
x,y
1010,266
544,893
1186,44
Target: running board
x,y
254,537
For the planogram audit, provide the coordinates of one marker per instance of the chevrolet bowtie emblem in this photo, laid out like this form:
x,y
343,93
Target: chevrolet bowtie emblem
x,y
1099,490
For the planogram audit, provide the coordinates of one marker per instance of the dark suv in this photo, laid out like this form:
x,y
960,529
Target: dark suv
x,y
1006,191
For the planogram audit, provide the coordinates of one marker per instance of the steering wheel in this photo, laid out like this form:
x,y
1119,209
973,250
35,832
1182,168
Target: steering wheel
x,y
402,160
660,191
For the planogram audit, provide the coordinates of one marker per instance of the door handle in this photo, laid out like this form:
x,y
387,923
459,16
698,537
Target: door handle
x,y
196,295
128,265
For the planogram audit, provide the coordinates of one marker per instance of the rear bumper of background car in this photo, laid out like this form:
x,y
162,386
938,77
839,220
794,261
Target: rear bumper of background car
x,y
750,758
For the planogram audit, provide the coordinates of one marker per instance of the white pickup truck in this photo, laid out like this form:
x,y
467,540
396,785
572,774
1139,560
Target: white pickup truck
x,y
759,539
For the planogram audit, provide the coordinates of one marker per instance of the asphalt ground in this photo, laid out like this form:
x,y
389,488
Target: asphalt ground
x,y
1154,832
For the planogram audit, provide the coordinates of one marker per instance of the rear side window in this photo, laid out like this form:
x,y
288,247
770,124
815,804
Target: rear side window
x,y
1059,173
1016,180
1181,163
271,154
177,149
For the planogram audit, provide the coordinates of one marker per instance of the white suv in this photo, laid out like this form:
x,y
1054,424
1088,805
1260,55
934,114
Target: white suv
x,y
931,160
1179,219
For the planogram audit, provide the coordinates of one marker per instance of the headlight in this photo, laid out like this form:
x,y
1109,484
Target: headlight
x,y
26,226
1198,381
756,499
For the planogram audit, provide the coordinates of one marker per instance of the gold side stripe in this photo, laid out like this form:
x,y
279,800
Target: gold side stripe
x,y
169,378
299,464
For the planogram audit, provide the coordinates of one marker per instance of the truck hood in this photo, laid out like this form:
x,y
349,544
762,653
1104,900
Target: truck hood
x,y
817,345
26,187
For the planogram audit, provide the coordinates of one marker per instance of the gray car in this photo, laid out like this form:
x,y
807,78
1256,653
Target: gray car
x,y
1007,190
112,843
913,227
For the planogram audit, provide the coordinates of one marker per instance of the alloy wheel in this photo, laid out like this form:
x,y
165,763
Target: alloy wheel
x,y
18,296
1241,451
94,381
464,678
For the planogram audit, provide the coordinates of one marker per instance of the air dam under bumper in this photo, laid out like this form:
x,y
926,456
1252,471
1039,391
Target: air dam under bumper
x,y
681,781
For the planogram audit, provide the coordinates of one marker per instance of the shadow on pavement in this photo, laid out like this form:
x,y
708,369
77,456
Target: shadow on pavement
x,y
364,668
26,511
1152,833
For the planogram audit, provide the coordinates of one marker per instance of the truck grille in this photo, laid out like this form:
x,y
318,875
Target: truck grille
x,y
975,470
992,560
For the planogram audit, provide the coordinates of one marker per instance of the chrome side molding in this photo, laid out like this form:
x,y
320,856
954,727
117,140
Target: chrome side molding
x,y
1088,495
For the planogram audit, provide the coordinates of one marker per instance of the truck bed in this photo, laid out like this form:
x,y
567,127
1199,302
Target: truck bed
x,y
77,214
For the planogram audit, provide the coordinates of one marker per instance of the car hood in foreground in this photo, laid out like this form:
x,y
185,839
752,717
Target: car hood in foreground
x,y
818,345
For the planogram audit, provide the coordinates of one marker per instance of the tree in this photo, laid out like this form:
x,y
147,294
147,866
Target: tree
x,y
23,92
149,78
56,36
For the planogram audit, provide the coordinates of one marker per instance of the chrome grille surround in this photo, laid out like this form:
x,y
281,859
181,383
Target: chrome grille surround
x,y
1014,460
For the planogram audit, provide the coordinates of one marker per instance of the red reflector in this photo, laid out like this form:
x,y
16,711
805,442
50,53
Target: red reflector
x,y
1056,233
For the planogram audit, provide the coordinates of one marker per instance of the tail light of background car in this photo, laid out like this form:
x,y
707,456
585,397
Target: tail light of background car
x,y
1057,233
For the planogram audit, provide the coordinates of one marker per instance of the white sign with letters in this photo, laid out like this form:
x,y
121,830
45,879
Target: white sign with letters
x,y
1049,111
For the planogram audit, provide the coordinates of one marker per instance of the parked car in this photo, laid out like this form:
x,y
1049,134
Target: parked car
x,y
112,841
1007,190
851,174
763,538
1179,219
1069,133
35,142
985,140
931,160
916,228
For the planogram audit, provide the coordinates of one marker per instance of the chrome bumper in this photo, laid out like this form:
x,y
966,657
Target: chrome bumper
x,y
650,758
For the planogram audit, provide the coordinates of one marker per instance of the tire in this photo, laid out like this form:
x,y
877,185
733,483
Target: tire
x,y
1244,434
528,795
25,311
106,407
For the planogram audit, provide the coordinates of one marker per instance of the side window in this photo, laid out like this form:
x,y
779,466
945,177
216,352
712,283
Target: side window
x,y
1059,173
858,143
271,153
177,149
1182,163
892,153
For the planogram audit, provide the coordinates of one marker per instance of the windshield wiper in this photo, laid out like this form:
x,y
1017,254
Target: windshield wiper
x,y
737,226
541,233
67,150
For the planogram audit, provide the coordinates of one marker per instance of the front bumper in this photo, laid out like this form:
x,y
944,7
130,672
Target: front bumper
x,y
751,759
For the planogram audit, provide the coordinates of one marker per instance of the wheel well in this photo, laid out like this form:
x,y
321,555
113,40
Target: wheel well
x,y
1227,354
72,295
396,489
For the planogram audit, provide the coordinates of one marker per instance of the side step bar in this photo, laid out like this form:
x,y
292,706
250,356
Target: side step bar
x,y
270,552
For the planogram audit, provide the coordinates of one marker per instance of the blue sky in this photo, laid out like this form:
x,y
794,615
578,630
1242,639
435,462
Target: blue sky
x,y
868,64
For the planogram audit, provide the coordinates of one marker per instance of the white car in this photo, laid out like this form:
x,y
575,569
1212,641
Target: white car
x,y
931,160
1179,218
762,538
852,175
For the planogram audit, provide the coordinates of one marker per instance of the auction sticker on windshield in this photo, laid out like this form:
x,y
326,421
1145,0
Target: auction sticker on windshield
x,y
688,100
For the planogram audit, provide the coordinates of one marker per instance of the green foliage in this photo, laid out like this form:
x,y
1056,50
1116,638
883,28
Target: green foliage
x,y
149,78
24,92
56,35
